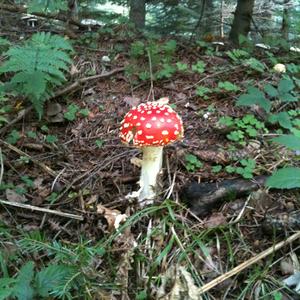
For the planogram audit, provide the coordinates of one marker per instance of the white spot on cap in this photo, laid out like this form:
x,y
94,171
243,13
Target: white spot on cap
x,y
162,120
143,119
149,112
176,132
176,126
158,111
126,125
148,125
170,110
134,117
138,124
154,119
129,136
129,115
169,121
140,132
158,124
166,114
165,132
149,137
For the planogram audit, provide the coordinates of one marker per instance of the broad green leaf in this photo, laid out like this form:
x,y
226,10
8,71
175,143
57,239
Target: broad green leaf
x,y
282,118
255,96
286,178
285,86
289,140
270,90
287,97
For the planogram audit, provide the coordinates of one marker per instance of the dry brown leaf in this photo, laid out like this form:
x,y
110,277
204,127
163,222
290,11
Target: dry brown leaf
x,y
215,220
113,216
132,101
74,70
183,287
12,196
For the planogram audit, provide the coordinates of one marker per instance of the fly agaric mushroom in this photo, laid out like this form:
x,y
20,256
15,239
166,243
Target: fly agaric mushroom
x,y
150,126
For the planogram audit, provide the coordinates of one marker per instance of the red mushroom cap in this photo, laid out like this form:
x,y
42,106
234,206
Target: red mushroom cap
x,y
151,124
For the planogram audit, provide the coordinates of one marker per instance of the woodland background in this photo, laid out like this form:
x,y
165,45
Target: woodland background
x,y
225,224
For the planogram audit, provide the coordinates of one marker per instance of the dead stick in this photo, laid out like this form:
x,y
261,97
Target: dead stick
x,y
45,210
248,263
20,115
75,85
40,164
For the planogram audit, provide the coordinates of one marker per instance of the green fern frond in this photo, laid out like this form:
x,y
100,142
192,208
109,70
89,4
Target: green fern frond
x,y
38,67
53,279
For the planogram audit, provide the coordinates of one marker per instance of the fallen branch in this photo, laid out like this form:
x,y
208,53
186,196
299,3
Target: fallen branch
x,y
44,210
78,83
201,198
248,263
20,116
40,164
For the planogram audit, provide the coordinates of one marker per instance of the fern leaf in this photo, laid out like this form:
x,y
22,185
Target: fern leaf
x,y
49,278
38,67
23,289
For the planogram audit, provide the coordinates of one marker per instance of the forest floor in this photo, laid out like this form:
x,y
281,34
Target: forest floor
x,y
75,175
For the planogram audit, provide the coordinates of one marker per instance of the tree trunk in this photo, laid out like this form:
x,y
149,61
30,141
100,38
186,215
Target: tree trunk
x,y
137,13
209,17
242,20
285,21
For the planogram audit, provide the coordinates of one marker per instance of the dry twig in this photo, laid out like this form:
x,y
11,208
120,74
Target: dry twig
x,y
248,263
45,210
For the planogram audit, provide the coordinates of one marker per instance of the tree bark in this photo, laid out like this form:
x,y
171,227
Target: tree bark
x,y
137,13
285,21
242,20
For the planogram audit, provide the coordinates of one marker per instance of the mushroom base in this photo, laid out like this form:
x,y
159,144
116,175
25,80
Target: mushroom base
x,y
151,166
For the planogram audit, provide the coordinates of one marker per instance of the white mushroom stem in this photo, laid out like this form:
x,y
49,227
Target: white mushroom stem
x,y
151,166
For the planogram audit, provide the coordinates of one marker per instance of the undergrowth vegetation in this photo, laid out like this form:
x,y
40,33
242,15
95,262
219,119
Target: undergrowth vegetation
x,y
241,119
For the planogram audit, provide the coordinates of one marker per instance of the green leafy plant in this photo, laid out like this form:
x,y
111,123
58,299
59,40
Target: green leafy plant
x,y
242,128
192,163
30,284
284,93
237,54
228,86
84,112
51,139
203,91
216,169
71,112
285,178
28,181
255,64
99,143
245,168
38,67
166,71
13,137
44,5
181,66
198,67
31,134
